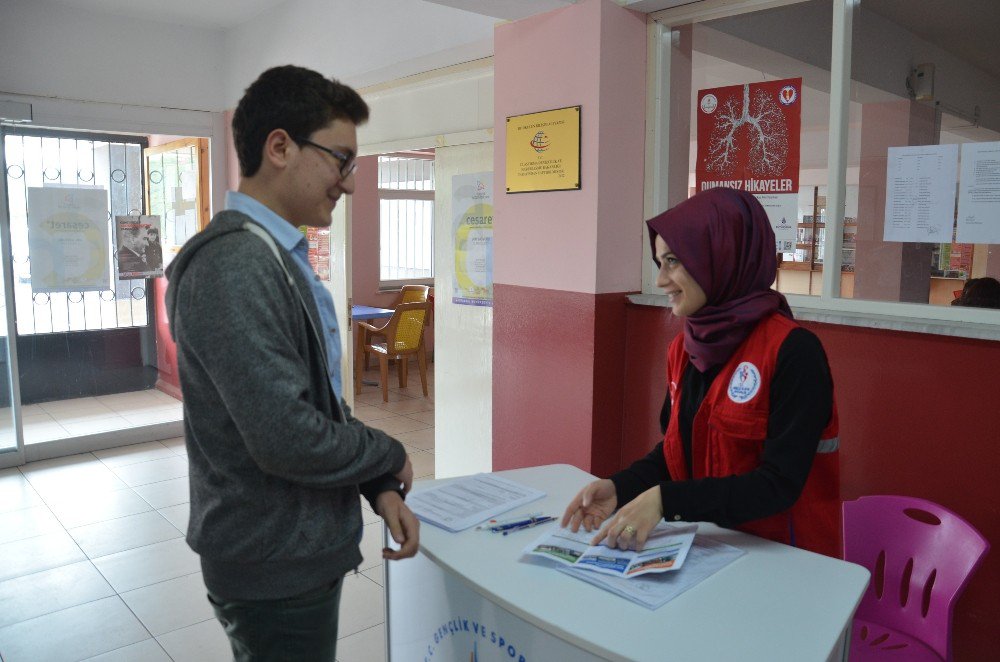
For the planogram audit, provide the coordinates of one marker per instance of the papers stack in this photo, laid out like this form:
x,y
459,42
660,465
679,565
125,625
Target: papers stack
x,y
465,502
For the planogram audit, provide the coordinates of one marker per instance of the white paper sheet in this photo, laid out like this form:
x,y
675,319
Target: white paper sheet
x,y
920,193
707,557
468,501
979,194
783,213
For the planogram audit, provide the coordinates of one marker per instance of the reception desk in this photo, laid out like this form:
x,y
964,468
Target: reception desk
x,y
466,596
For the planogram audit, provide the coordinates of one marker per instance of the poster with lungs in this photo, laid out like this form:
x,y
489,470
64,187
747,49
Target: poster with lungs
x,y
748,138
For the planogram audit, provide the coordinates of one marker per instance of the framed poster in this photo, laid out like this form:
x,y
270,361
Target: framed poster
x,y
543,151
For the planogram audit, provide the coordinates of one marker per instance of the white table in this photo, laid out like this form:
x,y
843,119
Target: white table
x,y
774,603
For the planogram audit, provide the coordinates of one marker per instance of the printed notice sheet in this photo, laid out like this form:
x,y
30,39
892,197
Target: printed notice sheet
x,y
707,557
665,549
468,501
979,194
920,193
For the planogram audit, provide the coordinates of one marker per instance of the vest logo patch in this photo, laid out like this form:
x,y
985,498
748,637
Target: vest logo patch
x,y
745,383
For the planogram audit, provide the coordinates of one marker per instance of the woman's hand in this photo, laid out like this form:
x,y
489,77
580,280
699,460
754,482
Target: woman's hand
x,y
591,506
631,526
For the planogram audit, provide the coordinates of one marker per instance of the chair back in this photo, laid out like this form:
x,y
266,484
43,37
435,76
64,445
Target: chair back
x,y
921,556
405,330
411,294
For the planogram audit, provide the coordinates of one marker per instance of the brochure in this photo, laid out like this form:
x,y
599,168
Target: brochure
x,y
665,550
707,556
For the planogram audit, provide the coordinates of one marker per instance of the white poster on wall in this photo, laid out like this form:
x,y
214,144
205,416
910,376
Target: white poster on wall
x,y
472,229
68,239
783,212
920,193
979,194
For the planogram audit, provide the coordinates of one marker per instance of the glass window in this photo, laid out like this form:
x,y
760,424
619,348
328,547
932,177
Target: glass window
x,y
406,218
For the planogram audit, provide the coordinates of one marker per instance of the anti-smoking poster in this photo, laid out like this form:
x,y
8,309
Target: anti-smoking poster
x,y
68,238
748,139
472,227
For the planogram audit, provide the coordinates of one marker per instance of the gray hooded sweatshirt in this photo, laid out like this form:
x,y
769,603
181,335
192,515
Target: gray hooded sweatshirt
x,y
276,462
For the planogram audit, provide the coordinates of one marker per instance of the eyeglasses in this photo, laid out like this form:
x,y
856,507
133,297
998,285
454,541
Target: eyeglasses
x,y
348,162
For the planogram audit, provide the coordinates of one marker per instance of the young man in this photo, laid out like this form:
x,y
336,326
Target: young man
x,y
276,459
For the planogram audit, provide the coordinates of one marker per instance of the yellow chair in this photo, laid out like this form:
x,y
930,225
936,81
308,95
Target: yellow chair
x,y
406,294
404,335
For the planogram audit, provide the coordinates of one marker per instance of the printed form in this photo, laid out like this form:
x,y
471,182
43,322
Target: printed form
x,y
465,502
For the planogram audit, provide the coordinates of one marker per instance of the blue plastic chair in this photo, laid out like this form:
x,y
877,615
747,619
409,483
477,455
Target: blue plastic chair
x,y
921,556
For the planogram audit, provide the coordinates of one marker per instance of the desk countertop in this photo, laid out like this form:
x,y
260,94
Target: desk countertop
x,y
774,603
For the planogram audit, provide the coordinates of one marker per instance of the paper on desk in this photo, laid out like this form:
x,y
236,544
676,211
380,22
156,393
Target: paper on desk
x,y
706,557
665,550
468,501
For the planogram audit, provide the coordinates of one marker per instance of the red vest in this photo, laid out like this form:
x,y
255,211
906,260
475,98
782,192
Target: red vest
x,y
728,433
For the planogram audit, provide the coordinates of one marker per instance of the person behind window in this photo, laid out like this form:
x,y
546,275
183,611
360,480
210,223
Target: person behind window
x,y
980,292
277,461
749,419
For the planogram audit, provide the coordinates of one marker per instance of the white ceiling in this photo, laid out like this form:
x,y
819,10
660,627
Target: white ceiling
x,y
211,14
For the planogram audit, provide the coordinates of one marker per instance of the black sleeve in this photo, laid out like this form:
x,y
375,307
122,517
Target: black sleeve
x,y
801,399
647,471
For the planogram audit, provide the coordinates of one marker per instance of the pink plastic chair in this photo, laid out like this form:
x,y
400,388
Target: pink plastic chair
x,y
921,556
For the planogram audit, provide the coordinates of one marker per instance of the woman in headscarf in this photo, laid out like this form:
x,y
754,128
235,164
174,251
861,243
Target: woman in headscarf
x,y
749,419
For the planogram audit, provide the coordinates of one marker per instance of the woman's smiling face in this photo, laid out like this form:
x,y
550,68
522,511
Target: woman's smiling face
x,y
684,294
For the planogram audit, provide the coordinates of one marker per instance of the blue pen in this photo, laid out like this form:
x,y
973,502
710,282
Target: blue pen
x,y
498,524
530,524
520,523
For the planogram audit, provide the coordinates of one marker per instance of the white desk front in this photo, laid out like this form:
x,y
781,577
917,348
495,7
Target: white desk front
x,y
466,596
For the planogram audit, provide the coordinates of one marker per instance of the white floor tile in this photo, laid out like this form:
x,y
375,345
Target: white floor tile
x,y
162,414
422,439
165,493
93,426
409,406
153,471
118,535
365,646
371,546
366,413
144,651
77,474
27,523
148,565
61,407
176,445
30,596
425,416
72,634
31,555
178,516
126,455
35,433
170,605
376,574
82,508
374,397
204,642
16,492
398,424
423,464
361,605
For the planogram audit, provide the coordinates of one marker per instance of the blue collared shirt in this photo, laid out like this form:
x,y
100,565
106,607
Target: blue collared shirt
x,y
292,240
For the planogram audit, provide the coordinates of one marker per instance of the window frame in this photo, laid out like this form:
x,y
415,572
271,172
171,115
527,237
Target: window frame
x,y
828,306
424,195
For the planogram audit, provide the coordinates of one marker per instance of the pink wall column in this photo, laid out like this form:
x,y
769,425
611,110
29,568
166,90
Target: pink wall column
x,y
565,260
889,271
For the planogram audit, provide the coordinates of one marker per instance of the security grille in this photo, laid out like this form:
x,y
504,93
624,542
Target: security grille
x,y
113,162
406,218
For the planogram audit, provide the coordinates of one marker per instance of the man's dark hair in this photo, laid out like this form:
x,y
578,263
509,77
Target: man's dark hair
x,y
980,293
295,99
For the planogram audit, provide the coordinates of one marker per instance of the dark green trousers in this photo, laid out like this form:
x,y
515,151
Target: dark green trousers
x,y
302,628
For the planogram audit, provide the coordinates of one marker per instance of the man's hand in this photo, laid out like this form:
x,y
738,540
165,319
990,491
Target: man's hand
x,y
403,524
405,476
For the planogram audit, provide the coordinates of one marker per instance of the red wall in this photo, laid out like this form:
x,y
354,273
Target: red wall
x,y
919,416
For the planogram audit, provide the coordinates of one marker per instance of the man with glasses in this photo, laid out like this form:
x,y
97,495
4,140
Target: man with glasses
x,y
276,459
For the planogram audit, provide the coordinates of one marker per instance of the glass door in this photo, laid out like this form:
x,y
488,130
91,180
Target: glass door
x,y
11,434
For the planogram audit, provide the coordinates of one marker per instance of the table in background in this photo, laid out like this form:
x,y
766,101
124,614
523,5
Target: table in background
x,y
467,593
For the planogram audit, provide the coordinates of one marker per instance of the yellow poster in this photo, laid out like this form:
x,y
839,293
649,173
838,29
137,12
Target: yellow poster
x,y
472,206
543,151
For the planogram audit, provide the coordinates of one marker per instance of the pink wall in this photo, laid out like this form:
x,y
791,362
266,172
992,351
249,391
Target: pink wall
x,y
590,54
917,418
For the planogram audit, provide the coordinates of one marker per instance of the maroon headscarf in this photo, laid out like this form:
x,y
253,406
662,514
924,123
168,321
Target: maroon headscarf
x,y
724,240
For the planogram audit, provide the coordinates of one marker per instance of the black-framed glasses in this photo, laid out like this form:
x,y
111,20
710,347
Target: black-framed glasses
x,y
348,162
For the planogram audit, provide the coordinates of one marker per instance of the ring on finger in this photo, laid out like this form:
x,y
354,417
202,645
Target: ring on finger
x,y
629,531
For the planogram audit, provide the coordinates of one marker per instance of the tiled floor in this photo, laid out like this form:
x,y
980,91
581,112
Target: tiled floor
x,y
93,563
82,416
